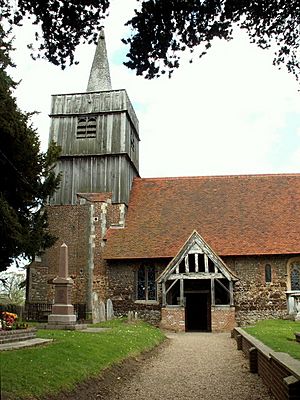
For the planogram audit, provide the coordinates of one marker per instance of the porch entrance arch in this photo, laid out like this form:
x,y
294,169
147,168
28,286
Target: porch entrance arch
x,y
197,286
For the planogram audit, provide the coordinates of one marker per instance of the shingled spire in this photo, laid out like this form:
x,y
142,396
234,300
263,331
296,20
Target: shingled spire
x,y
100,77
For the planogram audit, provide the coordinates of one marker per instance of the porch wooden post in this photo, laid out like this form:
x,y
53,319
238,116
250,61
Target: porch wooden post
x,y
187,267
212,287
231,293
205,263
181,293
164,297
196,263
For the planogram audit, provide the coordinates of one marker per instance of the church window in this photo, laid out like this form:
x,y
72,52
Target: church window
x,y
268,273
86,127
146,285
295,276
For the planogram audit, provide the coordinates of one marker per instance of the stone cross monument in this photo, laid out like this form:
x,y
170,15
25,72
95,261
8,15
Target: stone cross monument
x,y
62,316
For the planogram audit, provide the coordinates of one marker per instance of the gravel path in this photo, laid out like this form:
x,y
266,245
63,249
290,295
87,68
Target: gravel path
x,y
202,366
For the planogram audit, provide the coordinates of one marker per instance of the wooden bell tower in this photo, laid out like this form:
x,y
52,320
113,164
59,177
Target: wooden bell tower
x,y
98,133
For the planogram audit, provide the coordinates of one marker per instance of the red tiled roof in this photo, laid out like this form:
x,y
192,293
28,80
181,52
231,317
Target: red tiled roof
x,y
236,215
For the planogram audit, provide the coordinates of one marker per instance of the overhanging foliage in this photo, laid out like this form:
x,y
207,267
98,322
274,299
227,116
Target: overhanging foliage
x,y
27,176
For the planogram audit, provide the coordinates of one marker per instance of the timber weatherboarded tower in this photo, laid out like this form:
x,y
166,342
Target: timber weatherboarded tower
x,y
98,133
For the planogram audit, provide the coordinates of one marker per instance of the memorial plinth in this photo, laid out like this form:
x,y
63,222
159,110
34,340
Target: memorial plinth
x,y
62,316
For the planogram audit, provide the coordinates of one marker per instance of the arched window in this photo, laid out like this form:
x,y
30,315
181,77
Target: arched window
x,y
146,285
268,273
295,275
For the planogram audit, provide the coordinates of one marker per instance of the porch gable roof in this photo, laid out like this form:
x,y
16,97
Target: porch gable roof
x,y
196,244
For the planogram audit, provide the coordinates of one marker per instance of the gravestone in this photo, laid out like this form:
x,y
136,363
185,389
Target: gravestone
x,y
132,316
62,316
98,313
95,308
102,311
109,310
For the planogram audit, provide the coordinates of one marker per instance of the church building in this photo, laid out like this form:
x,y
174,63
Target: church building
x,y
201,253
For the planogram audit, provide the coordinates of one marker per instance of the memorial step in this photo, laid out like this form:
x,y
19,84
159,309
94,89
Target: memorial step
x,y
10,336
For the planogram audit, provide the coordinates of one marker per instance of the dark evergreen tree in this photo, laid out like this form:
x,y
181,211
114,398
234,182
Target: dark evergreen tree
x,y
162,29
27,176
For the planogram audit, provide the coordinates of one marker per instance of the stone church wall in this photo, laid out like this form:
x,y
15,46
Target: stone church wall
x,y
122,290
83,227
256,299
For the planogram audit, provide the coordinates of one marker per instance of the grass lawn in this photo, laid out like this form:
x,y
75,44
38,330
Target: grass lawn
x,y
72,357
278,334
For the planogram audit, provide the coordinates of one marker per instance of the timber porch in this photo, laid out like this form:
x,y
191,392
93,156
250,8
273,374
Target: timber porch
x,y
197,290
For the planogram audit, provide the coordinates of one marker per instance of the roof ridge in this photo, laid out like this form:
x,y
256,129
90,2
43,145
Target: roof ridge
x,y
199,177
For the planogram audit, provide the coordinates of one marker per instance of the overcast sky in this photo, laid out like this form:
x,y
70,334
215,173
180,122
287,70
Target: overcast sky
x,y
231,112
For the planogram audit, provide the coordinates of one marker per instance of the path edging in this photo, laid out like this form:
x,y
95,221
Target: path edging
x,y
279,371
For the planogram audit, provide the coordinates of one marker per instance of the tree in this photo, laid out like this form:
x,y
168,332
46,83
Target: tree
x,y
162,29
27,176
12,288
63,23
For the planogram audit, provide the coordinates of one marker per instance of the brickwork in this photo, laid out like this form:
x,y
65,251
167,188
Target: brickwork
x,y
173,318
254,298
222,318
279,372
38,287
83,228
17,335
69,224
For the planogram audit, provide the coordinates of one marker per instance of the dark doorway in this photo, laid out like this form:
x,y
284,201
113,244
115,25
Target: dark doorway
x,y
197,312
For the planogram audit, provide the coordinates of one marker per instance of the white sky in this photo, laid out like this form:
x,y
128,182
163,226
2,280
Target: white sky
x,y
231,112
